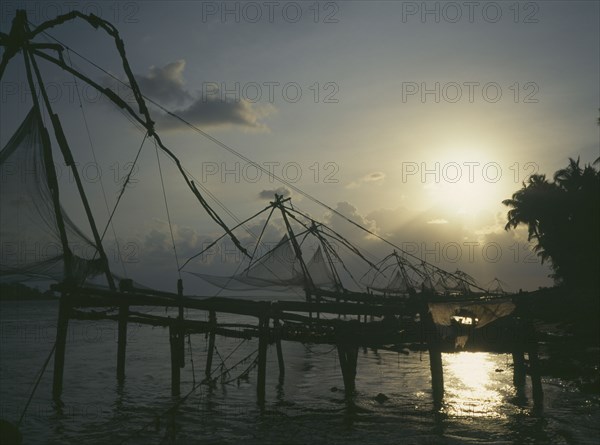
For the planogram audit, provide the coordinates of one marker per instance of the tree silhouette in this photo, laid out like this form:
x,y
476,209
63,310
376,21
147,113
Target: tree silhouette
x,y
563,218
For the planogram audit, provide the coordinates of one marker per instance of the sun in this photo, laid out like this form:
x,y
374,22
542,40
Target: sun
x,y
465,181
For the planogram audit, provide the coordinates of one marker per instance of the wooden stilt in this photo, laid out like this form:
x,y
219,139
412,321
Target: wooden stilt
x,y
122,345
212,318
348,357
263,341
437,374
536,378
61,340
181,343
435,357
317,300
277,327
174,340
519,372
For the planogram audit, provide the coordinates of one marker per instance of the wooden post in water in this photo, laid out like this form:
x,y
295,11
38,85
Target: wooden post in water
x,y
518,356
435,356
174,340
348,357
519,372
536,378
212,319
277,328
534,371
177,345
61,340
122,345
263,340
347,353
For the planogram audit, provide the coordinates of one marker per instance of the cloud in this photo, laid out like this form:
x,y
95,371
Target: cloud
x,y
437,221
167,86
166,83
216,112
340,225
270,194
373,178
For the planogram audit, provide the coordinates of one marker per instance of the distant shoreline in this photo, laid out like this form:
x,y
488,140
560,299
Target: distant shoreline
x,y
28,298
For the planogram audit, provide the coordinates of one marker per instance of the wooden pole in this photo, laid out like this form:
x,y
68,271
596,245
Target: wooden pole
x,y
212,319
64,305
181,344
174,334
519,372
519,366
122,341
435,356
263,341
348,357
277,327
61,340
536,378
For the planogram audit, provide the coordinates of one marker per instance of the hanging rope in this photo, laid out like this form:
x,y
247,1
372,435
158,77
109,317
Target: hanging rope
x,y
162,182
37,382
173,407
87,129
125,184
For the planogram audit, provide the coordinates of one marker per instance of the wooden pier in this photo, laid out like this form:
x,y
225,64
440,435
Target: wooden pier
x,y
395,328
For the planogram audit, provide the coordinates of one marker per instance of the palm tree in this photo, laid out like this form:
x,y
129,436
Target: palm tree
x,y
563,218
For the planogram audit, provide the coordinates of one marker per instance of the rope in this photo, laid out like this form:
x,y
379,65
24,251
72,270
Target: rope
x,y
162,182
172,408
127,179
87,129
36,384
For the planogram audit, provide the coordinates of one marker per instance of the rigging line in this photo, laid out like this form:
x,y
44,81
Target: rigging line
x,y
162,182
262,169
87,129
262,232
143,110
179,402
125,183
36,384
220,204
223,236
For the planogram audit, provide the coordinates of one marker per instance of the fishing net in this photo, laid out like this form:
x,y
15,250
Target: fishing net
x,y
30,242
279,269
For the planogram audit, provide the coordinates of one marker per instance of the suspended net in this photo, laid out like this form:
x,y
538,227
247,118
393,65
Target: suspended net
x,y
278,270
395,274
30,242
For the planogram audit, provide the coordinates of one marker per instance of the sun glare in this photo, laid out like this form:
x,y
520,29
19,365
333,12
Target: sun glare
x,y
471,386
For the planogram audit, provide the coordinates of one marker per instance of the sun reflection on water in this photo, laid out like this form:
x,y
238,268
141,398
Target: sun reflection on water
x,y
472,385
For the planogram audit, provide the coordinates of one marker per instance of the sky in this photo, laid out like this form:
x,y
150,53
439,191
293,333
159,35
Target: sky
x,y
415,119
